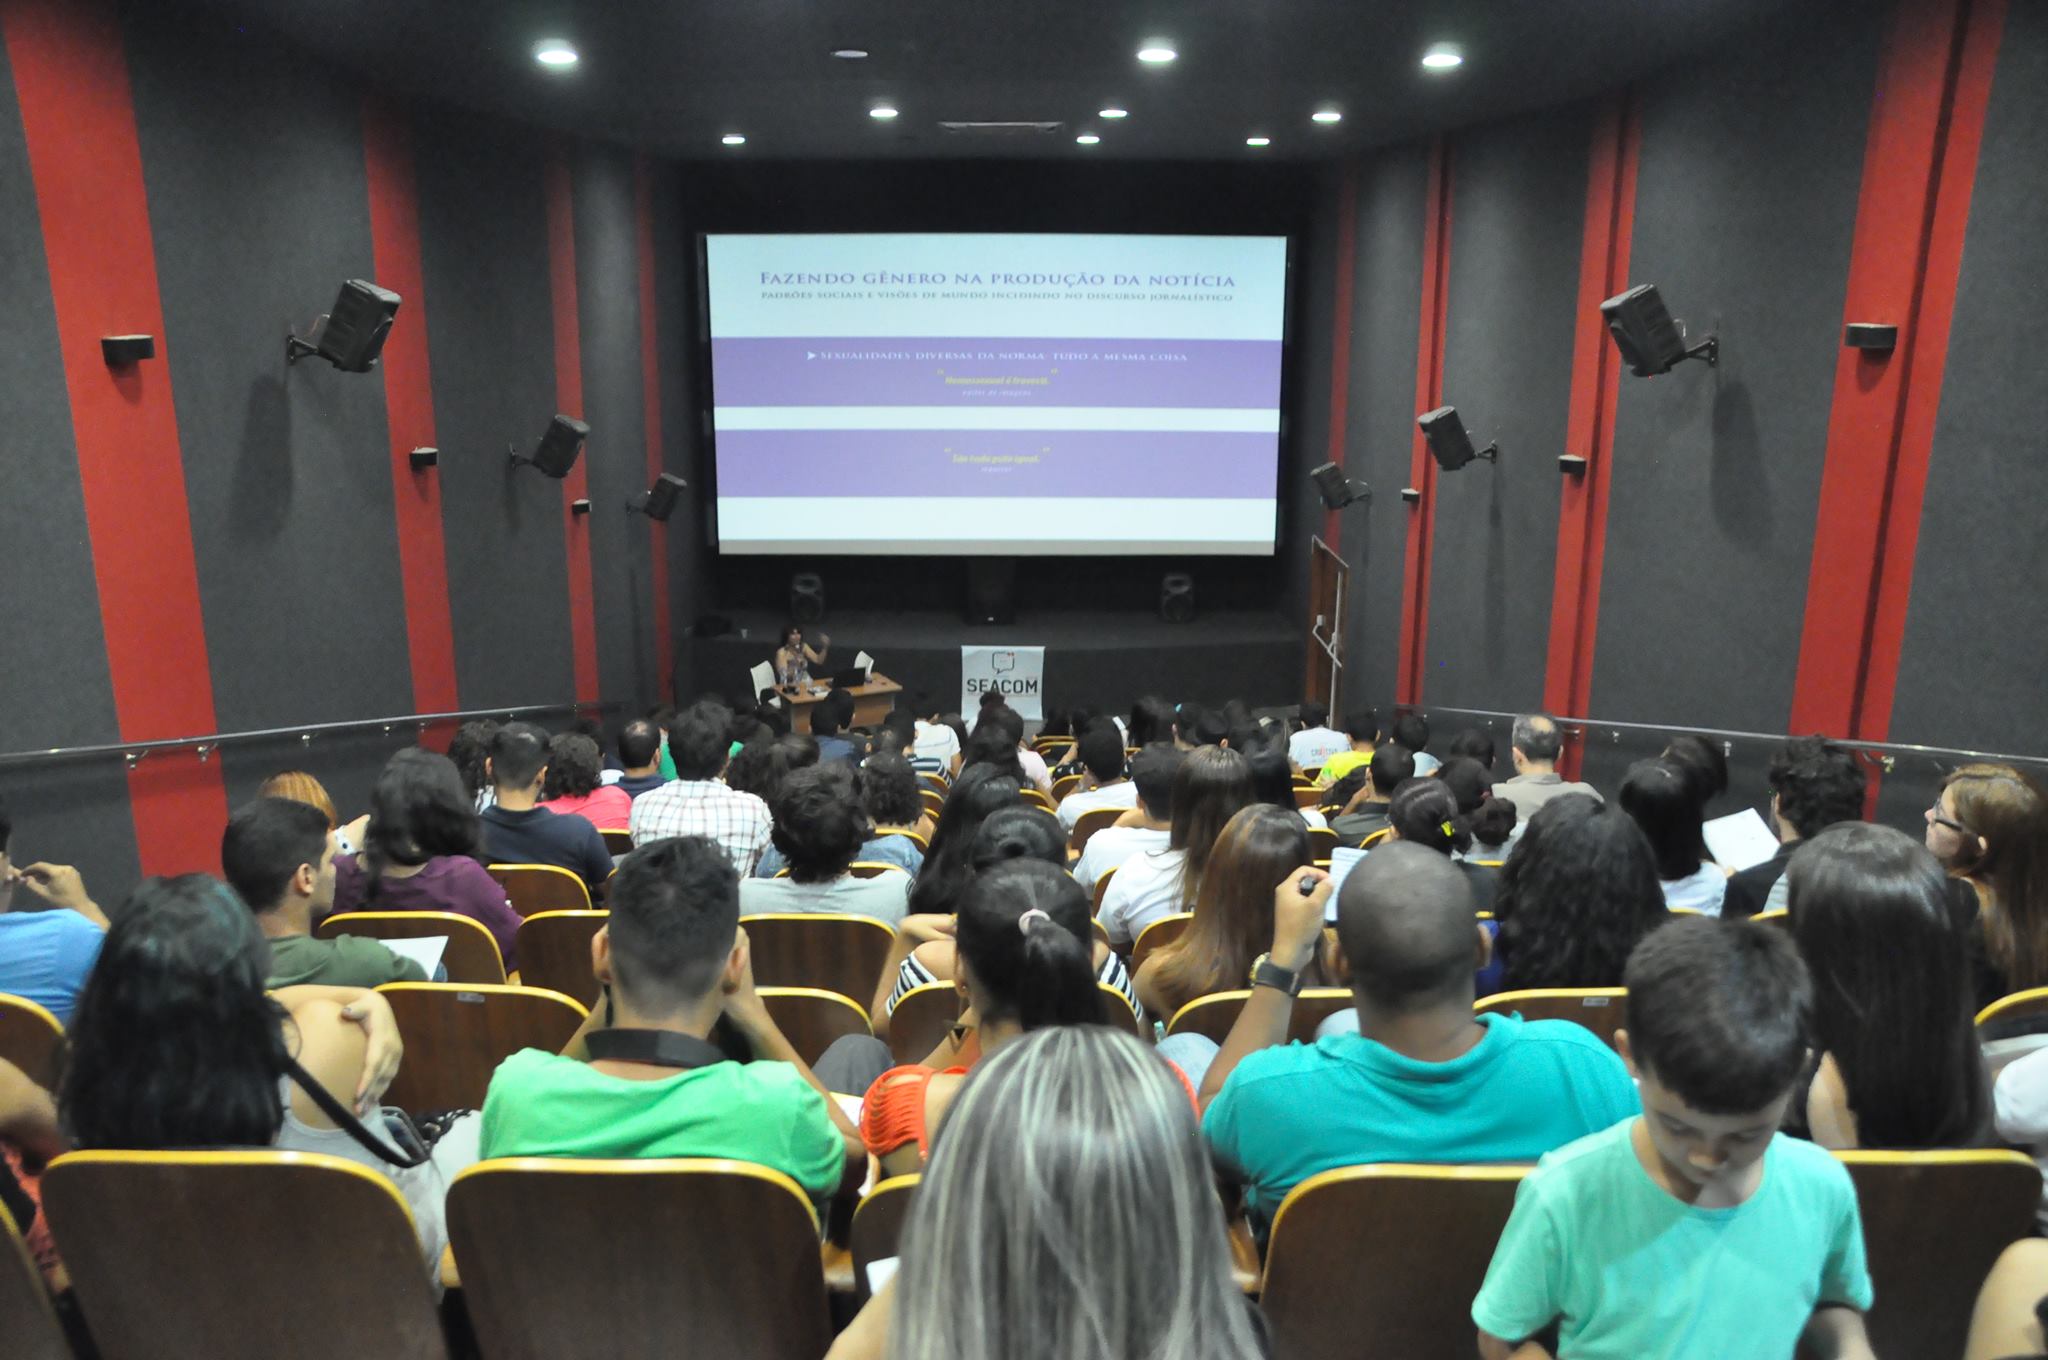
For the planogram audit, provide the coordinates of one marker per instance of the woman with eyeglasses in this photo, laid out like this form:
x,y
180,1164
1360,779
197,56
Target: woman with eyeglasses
x,y
1989,828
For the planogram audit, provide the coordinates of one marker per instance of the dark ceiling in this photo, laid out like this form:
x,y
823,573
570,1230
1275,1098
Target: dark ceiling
x,y
672,76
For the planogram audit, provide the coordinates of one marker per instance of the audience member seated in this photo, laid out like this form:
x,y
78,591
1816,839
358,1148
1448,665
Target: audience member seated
x,y
695,803
1000,717
1233,915
1423,1080
1411,730
1024,963
278,856
1472,743
1425,812
30,1136
1315,741
1151,721
889,792
2019,1102
1534,746
1578,893
419,853
924,951
820,827
1213,783
1491,820
761,767
1896,1058
979,793
50,930
1705,765
1625,1241
572,786
830,717
1365,811
1663,798
1111,1169
1363,729
1814,784
935,746
1146,827
302,787
640,751
1264,748
177,1045
517,830
470,749
641,1078
1105,783
1990,829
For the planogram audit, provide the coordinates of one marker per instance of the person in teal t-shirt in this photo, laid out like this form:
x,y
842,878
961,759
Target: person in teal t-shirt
x,y
674,960
1696,1231
1422,1080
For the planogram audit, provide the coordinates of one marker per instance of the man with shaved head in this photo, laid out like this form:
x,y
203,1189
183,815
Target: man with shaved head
x,y
1422,1080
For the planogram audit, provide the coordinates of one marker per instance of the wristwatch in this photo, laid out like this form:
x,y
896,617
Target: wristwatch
x,y
1266,973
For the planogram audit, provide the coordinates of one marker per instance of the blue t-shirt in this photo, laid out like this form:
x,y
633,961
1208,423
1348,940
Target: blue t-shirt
x,y
45,956
1526,1087
1632,1273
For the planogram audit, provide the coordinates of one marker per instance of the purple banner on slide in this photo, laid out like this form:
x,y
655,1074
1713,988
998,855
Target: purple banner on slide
x,y
985,373
1073,463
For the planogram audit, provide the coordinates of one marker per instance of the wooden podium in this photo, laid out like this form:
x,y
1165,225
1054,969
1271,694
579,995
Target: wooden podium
x,y
871,702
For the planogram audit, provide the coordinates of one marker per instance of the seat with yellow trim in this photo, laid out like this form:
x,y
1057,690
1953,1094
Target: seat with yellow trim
x,y
541,887
922,1019
456,1034
1214,1014
2026,1005
698,1256
617,839
554,953
198,1255
841,952
1599,1009
811,1018
1158,934
1090,822
471,954
31,1038
26,1318
1382,1262
878,1226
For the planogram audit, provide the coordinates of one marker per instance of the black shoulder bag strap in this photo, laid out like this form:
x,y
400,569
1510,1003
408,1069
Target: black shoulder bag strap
x,y
655,1047
401,1157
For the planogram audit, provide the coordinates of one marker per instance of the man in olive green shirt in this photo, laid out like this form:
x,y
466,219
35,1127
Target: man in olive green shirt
x,y
640,1079
279,855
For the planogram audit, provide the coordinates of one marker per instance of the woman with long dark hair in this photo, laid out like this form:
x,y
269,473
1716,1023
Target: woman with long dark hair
x,y
469,748
979,793
419,853
177,1045
1989,827
1490,820
1898,1063
1663,797
1577,894
1212,784
1025,962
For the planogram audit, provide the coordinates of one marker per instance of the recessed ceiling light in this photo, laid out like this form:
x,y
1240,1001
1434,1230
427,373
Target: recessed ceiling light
x,y
882,111
1114,113
1258,141
1442,57
1157,52
1327,116
1087,139
850,53
733,139
554,52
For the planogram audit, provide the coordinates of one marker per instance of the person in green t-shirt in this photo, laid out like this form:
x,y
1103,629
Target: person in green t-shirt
x,y
278,855
1363,729
1695,1231
638,1079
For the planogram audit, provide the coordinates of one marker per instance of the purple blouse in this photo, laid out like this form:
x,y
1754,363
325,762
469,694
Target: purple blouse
x,y
454,883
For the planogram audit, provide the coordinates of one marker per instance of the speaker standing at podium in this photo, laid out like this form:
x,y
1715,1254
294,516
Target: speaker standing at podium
x,y
795,657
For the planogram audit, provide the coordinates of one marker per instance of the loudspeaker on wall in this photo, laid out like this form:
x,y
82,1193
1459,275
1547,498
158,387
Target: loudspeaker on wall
x,y
1177,597
807,597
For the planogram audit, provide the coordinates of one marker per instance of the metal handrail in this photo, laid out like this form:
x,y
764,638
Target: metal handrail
x,y
205,746
1889,749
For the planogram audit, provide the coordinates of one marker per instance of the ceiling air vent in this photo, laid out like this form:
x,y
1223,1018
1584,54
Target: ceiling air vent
x,y
1026,129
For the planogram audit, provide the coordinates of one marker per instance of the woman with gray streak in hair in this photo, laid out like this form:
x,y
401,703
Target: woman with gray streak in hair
x,y
1068,1210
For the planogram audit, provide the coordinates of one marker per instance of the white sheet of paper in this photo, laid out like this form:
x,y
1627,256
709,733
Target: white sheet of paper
x,y
881,1272
1342,861
865,662
1740,840
425,951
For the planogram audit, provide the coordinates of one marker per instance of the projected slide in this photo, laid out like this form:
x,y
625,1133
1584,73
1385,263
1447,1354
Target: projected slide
x,y
996,394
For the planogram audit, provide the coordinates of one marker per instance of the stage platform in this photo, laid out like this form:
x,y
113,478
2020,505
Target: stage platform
x,y
1103,659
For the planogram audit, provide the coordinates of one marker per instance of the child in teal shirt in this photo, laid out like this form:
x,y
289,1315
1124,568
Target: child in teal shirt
x,y
1696,1231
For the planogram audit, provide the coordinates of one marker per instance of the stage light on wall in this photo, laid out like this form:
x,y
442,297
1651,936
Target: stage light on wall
x,y
1336,489
658,502
1650,340
557,450
352,335
1448,442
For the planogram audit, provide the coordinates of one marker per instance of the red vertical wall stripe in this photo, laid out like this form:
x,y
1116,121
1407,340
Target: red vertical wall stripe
x,y
569,401
1340,336
78,117
1920,162
1589,421
409,405
1429,389
650,387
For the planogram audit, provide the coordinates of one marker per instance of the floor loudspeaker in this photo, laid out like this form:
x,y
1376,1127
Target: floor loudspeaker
x,y
1177,597
807,597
